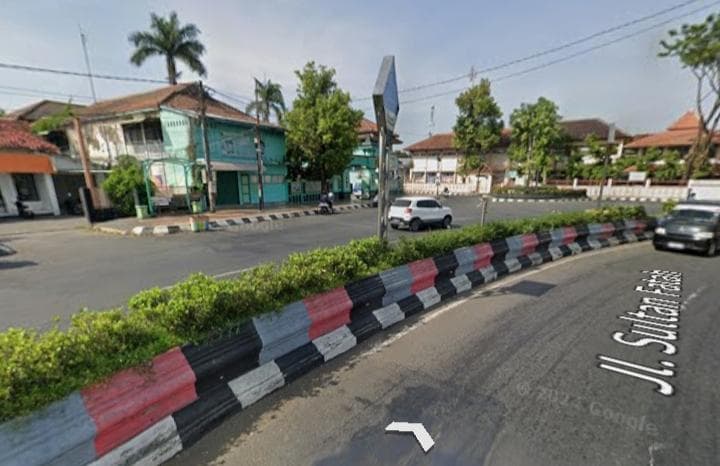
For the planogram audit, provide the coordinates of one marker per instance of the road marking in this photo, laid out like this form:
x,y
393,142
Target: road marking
x,y
417,429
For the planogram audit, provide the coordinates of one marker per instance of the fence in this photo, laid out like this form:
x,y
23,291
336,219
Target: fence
x,y
460,189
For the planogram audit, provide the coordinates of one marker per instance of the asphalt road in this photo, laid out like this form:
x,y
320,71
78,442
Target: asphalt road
x,y
507,376
56,273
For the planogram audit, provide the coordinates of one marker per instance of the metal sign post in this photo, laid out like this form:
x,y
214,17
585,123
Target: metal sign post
x,y
387,106
606,157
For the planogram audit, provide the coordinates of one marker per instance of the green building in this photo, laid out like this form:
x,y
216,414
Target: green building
x,y
162,129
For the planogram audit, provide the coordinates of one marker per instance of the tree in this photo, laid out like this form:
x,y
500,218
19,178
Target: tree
x,y
670,169
478,127
697,46
171,40
125,177
270,100
321,127
52,122
2,112
536,134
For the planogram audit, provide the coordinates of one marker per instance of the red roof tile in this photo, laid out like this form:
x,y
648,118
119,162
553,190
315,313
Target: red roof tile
x,y
367,126
42,108
682,133
578,130
16,135
180,96
444,141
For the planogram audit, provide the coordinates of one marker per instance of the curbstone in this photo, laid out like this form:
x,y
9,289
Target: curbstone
x,y
147,416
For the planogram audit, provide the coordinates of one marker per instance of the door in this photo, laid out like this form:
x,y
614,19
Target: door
x,y
245,189
228,192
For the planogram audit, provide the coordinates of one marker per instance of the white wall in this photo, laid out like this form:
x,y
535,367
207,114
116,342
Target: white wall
x,y
47,204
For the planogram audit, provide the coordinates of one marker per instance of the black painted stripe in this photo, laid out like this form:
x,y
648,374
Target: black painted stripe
x,y
446,264
544,240
476,278
525,261
582,231
565,249
273,217
364,325
501,269
445,288
366,294
196,419
500,249
218,362
246,220
231,222
299,361
410,305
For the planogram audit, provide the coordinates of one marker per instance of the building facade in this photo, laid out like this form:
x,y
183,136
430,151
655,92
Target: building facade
x,y
26,170
162,128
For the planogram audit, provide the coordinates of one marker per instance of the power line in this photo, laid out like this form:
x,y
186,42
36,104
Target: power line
x,y
558,48
39,95
230,96
44,92
571,56
38,69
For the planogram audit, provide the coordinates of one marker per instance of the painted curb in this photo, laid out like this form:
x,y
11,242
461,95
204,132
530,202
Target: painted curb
x,y
537,199
221,224
147,415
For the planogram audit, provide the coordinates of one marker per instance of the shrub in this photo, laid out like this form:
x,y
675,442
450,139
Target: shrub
x,y
38,368
668,206
125,177
538,191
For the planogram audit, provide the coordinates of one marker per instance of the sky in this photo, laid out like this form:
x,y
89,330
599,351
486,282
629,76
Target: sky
x,y
625,83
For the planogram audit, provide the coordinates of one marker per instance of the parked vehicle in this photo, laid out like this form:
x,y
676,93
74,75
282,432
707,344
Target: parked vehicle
x,y
23,210
690,226
416,212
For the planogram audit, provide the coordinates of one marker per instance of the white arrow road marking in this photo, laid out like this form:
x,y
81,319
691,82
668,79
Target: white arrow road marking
x,y
421,434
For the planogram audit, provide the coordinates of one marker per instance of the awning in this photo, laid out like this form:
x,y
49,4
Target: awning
x,y
25,163
231,167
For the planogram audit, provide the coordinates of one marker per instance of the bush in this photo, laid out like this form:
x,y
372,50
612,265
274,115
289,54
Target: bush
x,y
668,206
125,177
537,191
38,368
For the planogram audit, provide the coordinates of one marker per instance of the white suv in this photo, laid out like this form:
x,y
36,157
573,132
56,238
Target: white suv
x,y
414,212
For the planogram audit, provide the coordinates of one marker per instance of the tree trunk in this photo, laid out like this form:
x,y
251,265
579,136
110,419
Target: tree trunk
x,y
172,73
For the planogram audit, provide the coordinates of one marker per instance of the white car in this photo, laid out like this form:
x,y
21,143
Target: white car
x,y
415,212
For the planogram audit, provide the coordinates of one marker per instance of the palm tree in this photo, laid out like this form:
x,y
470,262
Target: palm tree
x,y
269,100
175,42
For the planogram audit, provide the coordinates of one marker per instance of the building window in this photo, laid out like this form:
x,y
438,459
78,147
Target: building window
x,y
134,132
25,187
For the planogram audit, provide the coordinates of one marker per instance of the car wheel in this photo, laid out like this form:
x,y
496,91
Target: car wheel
x,y
447,221
393,226
658,247
712,249
415,225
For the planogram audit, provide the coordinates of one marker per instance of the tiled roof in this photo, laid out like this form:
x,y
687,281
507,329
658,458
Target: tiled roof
x,y
16,135
682,133
37,110
578,130
367,126
444,141
183,97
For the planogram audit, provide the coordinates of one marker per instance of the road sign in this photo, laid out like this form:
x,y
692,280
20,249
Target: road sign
x,y
385,96
417,429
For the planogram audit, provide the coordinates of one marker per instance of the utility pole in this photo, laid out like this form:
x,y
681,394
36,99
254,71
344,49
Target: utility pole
x,y
259,151
606,161
382,184
432,121
206,148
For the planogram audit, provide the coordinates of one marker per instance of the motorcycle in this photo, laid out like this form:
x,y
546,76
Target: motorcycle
x,y
23,210
325,209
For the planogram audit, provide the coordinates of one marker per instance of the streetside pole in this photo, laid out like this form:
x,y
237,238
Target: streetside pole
x,y
606,162
258,152
206,149
85,159
382,182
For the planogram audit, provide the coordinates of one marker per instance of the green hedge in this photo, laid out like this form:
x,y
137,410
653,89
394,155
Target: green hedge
x,y
38,368
539,191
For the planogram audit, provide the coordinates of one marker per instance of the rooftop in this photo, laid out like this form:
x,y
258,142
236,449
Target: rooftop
x,y
681,133
444,142
16,135
33,112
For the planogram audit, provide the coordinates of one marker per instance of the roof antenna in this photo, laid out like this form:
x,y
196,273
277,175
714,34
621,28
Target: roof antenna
x,y
83,40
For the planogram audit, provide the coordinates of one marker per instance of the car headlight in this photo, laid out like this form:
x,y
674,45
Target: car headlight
x,y
660,231
704,235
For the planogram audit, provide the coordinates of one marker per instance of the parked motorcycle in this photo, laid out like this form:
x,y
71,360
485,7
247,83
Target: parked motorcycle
x,y
23,210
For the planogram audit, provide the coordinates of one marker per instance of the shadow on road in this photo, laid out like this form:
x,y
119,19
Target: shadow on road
x,y
7,265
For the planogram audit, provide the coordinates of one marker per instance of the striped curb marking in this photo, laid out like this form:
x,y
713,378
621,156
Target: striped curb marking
x,y
512,199
146,415
220,224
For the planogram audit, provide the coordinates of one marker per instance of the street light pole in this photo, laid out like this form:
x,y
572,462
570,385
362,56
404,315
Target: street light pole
x,y
606,161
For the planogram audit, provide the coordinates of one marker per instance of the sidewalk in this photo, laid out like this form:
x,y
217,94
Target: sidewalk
x,y
221,219
12,226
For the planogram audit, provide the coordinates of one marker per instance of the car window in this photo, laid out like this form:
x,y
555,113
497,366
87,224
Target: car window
x,y
401,203
693,215
426,203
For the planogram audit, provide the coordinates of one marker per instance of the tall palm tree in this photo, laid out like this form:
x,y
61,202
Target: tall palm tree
x,y
269,100
171,40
